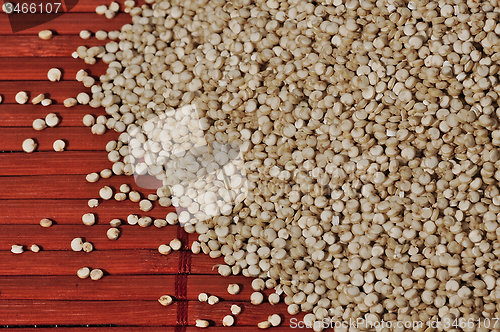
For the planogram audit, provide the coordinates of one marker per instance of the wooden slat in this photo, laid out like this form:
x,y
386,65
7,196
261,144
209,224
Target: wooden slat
x,y
23,115
77,139
31,312
118,288
69,212
147,313
32,46
58,237
96,329
142,329
57,91
50,163
114,262
60,186
23,69
71,24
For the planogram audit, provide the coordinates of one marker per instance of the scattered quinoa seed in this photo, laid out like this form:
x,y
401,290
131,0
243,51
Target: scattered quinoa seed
x,y
113,233
83,273
176,244
45,34
29,145
45,222
87,247
88,219
202,323
77,244
96,274
92,203
92,177
235,309
59,145
233,289
54,75
22,97
228,320
17,249
165,300
164,249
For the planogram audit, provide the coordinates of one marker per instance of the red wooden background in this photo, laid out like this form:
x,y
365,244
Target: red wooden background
x,y
41,290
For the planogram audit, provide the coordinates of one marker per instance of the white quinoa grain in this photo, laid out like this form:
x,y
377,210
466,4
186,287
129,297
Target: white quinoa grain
x,y
69,102
96,274
45,222
120,197
80,75
92,177
115,222
273,298
45,34
110,14
106,193
264,325
87,247
114,6
176,244
125,188
46,102
83,273
54,75
171,218
202,323
274,319
145,221
256,298
213,300
92,203
39,124
77,244
100,10
22,97
134,196
164,249
145,205
235,309
233,289
85,34
83,99
113,233
165,300
29,145
106,173
132,219
160,223
101,35
59,145
228,320
51,119
17,249
88,219
38,99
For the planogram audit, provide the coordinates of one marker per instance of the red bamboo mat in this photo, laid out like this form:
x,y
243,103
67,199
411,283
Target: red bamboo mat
x,y
40,291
